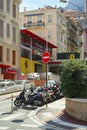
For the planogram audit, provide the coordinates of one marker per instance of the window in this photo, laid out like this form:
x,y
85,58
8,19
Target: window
x,y
1,4
1,28
49,34
49,17
7,54
14,10
8,30
1,53
25,53
39,18
14,34
14,57
29,19
7,5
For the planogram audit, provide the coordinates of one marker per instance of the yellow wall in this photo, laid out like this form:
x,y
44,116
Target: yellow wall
x,y
27,66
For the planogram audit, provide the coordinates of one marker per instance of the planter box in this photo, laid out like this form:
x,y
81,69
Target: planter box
x,y
77,108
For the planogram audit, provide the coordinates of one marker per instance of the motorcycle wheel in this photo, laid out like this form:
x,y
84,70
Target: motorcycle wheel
x,y
17,102
38,102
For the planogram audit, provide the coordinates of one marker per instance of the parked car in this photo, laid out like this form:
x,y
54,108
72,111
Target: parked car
x,y
43,75
7,86
50,83
33,76
22,83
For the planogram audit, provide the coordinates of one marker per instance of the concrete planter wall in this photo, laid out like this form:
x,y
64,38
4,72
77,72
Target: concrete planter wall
x,y
77,108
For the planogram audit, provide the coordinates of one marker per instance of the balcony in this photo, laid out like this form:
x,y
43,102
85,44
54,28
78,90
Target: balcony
x,y
34,24
72,27
72,40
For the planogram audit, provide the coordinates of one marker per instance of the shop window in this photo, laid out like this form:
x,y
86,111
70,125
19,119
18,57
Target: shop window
x,y
1,28
14,57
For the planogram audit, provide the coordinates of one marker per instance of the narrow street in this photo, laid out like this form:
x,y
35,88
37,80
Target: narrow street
x,y
22,118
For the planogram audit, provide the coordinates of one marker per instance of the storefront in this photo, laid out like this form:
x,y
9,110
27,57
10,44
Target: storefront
x,y
3,69
32,48
7,72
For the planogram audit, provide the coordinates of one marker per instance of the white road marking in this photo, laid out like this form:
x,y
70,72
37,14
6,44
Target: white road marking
x,y
4,128
29,125
41,126
12,116
19,129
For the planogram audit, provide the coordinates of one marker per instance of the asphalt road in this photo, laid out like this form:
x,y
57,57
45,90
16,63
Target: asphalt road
x,y
20,118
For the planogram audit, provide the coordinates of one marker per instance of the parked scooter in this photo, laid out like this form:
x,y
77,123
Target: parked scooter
x,y
56,90
35,98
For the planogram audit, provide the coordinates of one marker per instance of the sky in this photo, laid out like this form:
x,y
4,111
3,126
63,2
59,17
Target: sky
x,y
35,4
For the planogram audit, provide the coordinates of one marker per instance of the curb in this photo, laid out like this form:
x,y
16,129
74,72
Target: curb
x,y
8,96
43,122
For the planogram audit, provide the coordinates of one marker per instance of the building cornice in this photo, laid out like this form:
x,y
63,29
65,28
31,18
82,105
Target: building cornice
x,y
17,1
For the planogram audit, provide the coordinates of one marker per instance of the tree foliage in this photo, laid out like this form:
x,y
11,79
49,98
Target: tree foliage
x,y
74,78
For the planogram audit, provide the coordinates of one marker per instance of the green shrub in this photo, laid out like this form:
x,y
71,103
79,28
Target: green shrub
x,y
74,78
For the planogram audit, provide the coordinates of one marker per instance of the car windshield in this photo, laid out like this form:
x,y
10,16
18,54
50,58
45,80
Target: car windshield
x,y
2,85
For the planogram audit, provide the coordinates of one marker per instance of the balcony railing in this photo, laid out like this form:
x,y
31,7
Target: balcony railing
x,y
70,39
72,27
34,24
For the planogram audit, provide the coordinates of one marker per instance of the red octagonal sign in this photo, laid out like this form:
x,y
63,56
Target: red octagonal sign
x,y
46,57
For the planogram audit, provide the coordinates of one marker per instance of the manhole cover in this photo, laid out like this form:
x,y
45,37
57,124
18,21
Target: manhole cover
x,y
17,120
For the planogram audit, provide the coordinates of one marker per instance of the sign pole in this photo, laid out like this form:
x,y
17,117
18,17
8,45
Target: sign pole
x,y
45,59
46,83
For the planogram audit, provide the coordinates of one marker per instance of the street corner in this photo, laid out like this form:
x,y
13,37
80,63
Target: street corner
x,y
67,118
47,114
63,120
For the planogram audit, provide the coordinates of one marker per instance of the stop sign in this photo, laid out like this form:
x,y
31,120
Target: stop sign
x,y
46,57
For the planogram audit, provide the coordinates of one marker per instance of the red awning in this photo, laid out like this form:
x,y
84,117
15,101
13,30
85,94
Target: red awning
x,y
27,32
4,66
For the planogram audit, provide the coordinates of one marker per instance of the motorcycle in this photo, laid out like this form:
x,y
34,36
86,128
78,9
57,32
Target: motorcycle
x,y
56,90
35,98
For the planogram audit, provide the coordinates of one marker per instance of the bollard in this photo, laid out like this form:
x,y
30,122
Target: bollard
x,y
11,103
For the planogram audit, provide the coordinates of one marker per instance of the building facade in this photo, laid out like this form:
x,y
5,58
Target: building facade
x,y
9,39
48,23
53,25
32,49
81,26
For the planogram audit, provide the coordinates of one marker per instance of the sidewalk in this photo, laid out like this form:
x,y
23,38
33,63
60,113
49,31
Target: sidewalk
x,y
56,115
7,96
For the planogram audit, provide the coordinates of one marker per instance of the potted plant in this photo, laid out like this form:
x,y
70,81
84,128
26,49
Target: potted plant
x,y
74,86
